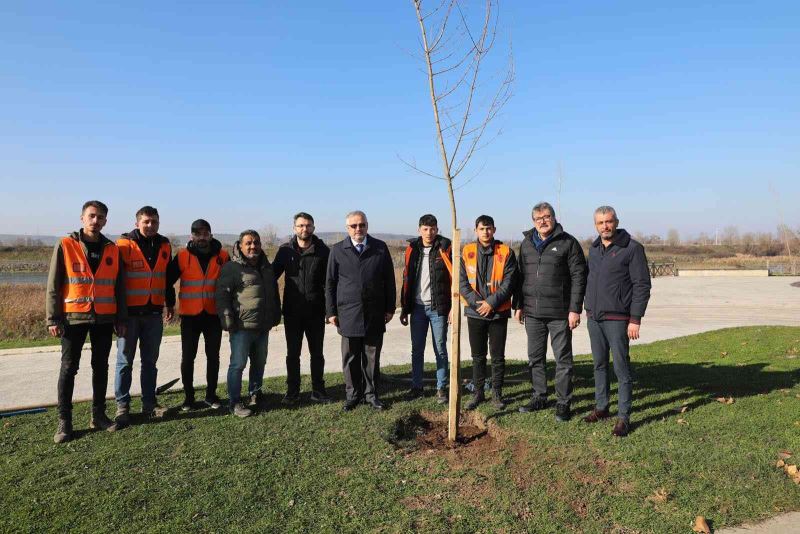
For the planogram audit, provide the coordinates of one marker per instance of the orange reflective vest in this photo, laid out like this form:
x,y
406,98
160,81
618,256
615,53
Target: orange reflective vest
x,y
197,287
85,289
143,285
470,256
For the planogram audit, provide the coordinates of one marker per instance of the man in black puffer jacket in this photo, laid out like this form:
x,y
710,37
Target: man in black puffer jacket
x,y
425,299
549,297
617,293
304,260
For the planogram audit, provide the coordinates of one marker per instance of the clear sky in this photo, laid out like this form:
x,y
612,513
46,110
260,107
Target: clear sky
x,y
679,114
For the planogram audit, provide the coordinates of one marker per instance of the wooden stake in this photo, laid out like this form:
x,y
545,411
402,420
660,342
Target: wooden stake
x,y
455,343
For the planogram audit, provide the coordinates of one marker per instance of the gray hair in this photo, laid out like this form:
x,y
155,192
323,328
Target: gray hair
x,y
540,207
356,213
606,209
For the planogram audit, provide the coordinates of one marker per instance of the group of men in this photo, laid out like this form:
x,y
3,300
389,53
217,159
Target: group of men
x,y
97,287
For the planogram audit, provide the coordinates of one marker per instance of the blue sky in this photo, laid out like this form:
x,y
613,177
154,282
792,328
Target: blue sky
x,y
680,115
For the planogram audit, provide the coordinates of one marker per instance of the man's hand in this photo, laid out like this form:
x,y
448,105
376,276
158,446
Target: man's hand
x,y
484,309
404,319
519,317
120,328
333,320
633,331
228,323
574,320
170,313
388,317
55,330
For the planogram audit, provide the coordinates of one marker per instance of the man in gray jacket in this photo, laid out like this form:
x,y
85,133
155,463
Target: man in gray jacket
x,y
617,293
550,289
248,306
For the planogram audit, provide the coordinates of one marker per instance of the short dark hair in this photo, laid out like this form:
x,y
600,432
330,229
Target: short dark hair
x,y
200,224
428,220
149,211
251,233
303,215
485,220
95,204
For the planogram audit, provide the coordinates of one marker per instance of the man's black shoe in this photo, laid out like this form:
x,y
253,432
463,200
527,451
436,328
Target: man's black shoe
x,y
414,393
291,399
563,413
536,404
350,405
498,403
376,404
477,398
321,397
213,402
188,405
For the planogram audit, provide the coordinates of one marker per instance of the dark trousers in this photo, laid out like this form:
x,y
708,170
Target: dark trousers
x,y
71,345
561,341
361,358
191,327
313,326
489,335
611,336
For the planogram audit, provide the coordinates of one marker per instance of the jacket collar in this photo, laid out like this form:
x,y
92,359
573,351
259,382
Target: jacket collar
x,y
621,239
77,237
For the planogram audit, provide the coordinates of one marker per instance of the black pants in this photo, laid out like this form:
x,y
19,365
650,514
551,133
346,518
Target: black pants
x,y
313,326
492,335
561,341
71,345
361,357
191,328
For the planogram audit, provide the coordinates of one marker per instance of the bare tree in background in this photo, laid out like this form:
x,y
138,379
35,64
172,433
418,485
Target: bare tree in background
x,y
465,98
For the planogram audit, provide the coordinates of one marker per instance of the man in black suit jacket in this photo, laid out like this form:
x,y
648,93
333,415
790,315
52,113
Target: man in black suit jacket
x,y
360,296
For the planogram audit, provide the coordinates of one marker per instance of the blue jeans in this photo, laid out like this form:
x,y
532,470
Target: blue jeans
x,y
605,337
421,317
244,344
146,331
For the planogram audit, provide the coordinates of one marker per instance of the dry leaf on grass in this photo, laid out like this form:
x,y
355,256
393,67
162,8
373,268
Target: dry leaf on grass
x,y
725,400
682,421
784,454
724,353
780,463
658,496
682,409
700,525
791,470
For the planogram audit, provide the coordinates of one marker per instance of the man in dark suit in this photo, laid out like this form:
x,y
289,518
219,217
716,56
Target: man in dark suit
x,y
360,296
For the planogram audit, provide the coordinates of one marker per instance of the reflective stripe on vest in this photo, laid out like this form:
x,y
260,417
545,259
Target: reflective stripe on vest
x,y
142,284
85,290
197,287
470,256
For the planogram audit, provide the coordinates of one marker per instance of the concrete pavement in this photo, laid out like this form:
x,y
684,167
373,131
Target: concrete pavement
x,y
678,307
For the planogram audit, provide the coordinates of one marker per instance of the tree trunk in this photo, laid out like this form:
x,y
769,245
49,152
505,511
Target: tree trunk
x,y
455,343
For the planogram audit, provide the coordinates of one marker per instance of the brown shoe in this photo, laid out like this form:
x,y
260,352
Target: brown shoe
x,y
596,415
621,428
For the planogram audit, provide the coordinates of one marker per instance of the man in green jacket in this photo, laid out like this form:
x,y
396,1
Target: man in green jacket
x,y
248,306
85,296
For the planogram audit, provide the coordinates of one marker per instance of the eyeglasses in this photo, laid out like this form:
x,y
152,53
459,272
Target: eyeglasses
x,y
543,218
358,225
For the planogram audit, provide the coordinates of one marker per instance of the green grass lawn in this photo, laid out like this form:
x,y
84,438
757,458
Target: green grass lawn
x,y
170,330
316,468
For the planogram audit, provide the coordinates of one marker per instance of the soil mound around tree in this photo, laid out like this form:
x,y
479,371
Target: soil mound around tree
x,y
426,432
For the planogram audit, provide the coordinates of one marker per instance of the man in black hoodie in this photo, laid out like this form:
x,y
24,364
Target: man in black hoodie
x,y
145,256
549,298
617,293
198,267
304,260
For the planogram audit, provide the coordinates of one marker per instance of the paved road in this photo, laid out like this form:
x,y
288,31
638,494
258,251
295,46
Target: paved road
x,y
678,307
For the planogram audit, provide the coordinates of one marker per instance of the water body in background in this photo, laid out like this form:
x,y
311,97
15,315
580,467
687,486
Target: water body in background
x,y
16,279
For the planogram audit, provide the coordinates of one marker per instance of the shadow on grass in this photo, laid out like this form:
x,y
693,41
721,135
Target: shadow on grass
x,y
659,387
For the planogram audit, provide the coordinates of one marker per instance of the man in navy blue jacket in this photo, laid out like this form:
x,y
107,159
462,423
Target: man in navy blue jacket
x,y
617,292
360,295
